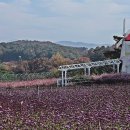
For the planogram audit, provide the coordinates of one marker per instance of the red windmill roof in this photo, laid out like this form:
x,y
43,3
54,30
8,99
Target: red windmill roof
x,y
127,38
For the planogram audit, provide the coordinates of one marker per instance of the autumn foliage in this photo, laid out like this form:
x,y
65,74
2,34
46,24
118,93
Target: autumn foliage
x,y
41,64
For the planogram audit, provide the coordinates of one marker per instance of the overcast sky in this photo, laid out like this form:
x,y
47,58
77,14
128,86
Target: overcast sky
x,y
93,21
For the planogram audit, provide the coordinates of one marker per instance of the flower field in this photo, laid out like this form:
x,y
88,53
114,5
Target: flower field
x,y
111,78
101,107
36,82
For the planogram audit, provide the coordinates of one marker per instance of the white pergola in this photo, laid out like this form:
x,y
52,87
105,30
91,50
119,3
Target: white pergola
x,y
86,66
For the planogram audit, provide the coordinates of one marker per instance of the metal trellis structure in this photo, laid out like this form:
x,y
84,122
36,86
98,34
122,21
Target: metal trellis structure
x,y
86,66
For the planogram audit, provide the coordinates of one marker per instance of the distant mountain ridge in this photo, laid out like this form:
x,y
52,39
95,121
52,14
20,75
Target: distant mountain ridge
x,y
80,44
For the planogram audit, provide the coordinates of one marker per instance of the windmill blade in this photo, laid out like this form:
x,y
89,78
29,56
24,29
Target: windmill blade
x,y
124,27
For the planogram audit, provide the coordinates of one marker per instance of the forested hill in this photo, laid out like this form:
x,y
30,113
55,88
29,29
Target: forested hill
x,y
35,49
28,50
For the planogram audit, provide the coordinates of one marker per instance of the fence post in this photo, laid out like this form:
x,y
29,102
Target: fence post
x,y
57,82
65,77
114,67
62,78
89,71
118,65
84,71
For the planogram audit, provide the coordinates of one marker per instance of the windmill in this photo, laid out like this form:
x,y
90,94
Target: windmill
x,y
123,43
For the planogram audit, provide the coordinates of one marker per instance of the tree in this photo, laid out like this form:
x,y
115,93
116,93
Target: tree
x,y
82,60
57,60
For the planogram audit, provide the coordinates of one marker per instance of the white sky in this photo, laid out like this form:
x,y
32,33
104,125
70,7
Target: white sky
x,y
92,21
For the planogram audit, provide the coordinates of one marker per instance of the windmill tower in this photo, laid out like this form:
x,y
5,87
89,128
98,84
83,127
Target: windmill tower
x,y
125,53
125,50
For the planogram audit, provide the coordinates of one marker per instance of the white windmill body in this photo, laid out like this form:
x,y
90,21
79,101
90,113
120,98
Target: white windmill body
x,y
125,52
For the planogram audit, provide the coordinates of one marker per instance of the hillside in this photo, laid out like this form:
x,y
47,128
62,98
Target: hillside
x,y
28,50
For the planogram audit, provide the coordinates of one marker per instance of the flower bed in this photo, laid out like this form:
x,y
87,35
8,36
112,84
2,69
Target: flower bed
x,y
97,108
38,82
